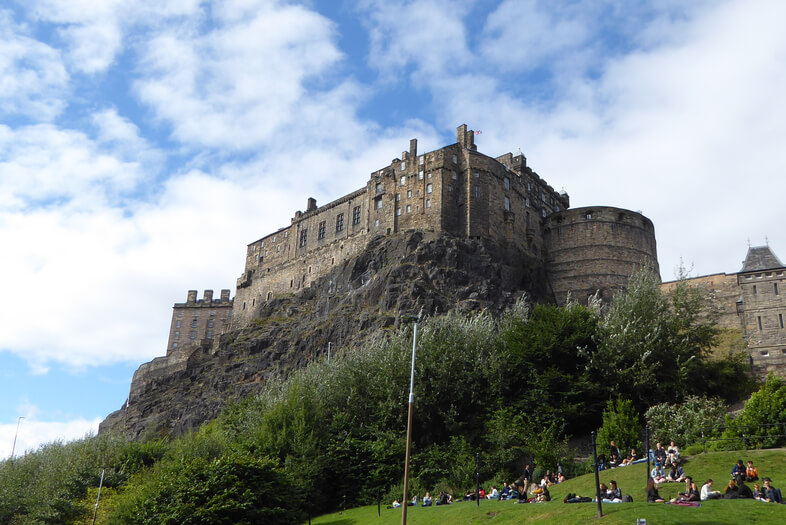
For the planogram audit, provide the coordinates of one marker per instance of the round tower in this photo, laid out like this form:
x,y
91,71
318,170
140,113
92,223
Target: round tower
x,y
596,249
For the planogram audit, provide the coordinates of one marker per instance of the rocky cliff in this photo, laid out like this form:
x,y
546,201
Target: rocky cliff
x,y
405,274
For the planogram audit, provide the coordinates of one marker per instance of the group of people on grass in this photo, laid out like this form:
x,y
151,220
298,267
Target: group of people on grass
x,y
667,468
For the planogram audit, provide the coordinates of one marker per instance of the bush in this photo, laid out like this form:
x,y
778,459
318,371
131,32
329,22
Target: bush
x,y
684,422
621,424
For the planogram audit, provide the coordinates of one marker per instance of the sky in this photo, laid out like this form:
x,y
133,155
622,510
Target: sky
x,y
145,143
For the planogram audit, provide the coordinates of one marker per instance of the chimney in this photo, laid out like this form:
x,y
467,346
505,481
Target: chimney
x,y
208,297
224,296
461,135
192,295
413,148
312,204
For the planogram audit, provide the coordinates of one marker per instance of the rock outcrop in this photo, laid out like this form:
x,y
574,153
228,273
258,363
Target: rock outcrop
x,y
406,274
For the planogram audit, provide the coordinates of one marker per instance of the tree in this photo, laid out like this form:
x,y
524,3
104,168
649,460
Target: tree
x,y
764,415
621,424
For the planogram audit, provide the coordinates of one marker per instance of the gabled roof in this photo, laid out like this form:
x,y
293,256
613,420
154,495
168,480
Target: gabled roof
x,y
760,258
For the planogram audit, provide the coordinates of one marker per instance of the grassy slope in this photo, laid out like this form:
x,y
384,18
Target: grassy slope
x,y
631,480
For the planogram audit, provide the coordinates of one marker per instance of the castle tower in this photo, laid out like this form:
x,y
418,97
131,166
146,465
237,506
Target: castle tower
x,y
596,249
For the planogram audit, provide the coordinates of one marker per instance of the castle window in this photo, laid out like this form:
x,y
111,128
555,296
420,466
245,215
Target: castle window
x,y
776,289
765,353
420,175
402,180
755,292
477,175
274,238
529,186
339,222
429,188
428,203
356,215
780,319
303,237
180,313
286,234
278,249
192,335
262,259
506,181
507,203
378,203
556,208
543,213
177,335
453,175
398,197
212,312
398,211
543,196
589,216
320,231
409,208
403,165
428,175
409,196
177,323
376,223
291,284
379,187
476,192
210,323
759,319
210,334
174,345
526,201
194,323
455,159
422,160
450,188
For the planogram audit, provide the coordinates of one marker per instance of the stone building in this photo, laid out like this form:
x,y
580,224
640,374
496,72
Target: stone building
x,y
198,321
458,191
751,301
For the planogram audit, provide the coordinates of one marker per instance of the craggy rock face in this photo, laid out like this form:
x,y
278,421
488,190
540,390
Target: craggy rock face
x,y
397,275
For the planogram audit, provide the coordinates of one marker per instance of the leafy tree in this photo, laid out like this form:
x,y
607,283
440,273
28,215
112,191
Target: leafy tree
x,y
621,424
764,415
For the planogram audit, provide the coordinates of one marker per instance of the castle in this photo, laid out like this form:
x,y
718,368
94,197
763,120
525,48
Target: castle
x,y
752,301
454,190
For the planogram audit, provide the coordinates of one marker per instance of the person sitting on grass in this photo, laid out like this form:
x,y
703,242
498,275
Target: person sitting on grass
x,y
427,500
494,494
630,458
745,490
758,495
691,491
770,493
673,453
522,495
660,454
732,490
613,494
657,473
738,469
676,473
707,492
396,504
444,498
652,492
505,492
751,472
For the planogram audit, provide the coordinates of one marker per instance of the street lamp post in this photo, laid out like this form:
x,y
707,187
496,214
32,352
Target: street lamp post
x,y
13,448
404,503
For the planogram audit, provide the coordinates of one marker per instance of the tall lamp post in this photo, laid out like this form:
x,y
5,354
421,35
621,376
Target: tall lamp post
x,y
404,503
13,448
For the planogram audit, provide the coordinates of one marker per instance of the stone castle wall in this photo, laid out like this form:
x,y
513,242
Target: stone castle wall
x,y
722,293
763,314
454,189
596,249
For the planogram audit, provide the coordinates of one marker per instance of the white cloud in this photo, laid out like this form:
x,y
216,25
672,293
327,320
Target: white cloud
x,y
32,76
242,80
33,433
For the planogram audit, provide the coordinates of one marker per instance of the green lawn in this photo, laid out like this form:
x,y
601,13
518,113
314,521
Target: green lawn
x,y
715,465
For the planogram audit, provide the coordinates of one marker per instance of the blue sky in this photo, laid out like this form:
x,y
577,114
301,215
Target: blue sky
x,y
143,144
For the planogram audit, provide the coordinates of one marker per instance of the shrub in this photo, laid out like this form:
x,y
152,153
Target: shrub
x,y
684,422
621,424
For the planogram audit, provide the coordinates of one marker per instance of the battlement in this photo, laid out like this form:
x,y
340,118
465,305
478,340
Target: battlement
x,y
207,299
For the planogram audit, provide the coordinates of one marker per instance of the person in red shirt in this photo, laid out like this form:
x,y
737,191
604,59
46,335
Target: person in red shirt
x,y
751,473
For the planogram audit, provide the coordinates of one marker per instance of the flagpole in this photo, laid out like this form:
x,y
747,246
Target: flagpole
x,y
13,448
405,502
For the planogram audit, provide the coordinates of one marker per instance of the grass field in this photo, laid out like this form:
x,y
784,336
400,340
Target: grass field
x,y
715,465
